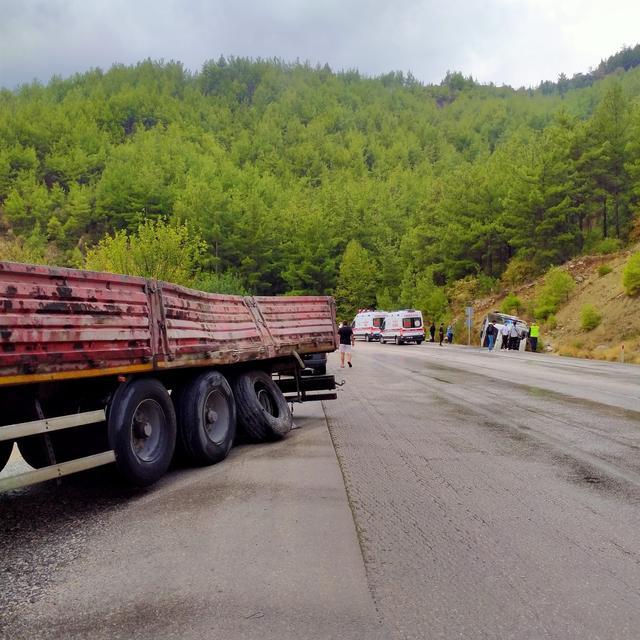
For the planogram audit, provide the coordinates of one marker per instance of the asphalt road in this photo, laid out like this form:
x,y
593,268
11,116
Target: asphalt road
x,y
497,495
487,496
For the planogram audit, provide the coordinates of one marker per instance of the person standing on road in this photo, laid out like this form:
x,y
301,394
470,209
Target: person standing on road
x,y
347,340
432,331
514,337
534,334
504,332
450,334
441,333
491,335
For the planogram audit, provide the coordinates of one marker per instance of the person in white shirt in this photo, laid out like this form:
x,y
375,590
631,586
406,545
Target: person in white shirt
x,y
504,332
514,337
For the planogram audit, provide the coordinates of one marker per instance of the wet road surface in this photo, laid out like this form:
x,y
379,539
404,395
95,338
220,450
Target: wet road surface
x,y
487,496
496,495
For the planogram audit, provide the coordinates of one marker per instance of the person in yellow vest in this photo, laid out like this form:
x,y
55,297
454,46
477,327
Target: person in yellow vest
x,y
534,333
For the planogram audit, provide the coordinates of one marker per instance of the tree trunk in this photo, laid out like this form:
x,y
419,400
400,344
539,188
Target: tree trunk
x,y
604,217
617,210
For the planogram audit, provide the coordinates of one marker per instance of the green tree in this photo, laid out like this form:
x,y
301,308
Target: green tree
x,y
631,275
158,249
558,284
357,283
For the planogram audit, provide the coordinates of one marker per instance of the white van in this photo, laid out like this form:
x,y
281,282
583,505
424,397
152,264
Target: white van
x,y
366,325
403,326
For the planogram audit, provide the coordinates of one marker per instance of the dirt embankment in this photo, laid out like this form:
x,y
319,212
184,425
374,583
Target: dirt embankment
x,y
617,334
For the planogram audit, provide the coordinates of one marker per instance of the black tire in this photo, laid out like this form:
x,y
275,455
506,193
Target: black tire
x,y
263,412
366,337
383,341
6,447
141,427
418,341
206,415
397,340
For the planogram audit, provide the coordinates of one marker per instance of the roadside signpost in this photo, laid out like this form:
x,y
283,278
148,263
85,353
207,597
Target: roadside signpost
x,y
468,314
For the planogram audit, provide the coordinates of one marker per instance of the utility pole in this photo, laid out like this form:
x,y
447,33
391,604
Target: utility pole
x,y
468,313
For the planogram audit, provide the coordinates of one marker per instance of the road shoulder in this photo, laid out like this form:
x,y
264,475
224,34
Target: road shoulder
x,y
261,546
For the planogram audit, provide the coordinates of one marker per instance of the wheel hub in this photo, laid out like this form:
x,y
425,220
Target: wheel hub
x,y
143,428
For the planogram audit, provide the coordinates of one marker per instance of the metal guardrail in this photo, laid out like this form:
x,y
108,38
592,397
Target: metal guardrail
x,y
57,470
46,425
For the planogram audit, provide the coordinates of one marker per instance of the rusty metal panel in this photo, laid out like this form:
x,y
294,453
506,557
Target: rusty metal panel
x,y
199,324
64,320
304,323
64,323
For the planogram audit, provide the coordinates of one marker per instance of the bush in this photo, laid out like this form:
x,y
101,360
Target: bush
x,y
545,311
519,271
607,245
558,284
158,249
590,317
511,303
604,269
551,323
631,275
228,282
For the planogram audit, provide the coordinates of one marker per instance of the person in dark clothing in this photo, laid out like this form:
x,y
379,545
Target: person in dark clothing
x,y
441,333
347,340
491,335
432,331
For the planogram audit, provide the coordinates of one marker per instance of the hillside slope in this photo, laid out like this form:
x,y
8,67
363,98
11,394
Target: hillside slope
x,y
619,329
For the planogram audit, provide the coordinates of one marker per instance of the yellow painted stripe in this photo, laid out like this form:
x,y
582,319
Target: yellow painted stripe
x,y
72,375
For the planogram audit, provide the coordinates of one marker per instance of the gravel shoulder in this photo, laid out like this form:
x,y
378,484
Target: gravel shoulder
x,y
260,546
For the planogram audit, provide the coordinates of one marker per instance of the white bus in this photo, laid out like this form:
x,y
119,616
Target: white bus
x,y
366,325
403,326
499,320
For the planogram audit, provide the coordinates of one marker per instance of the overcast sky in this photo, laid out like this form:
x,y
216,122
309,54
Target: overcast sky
x,y
516,42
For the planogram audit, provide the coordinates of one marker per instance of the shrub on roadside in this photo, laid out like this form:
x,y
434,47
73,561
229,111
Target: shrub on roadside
x,y
511,303
519,271
604,269
590,317
607,245
631,275
551,323
558,284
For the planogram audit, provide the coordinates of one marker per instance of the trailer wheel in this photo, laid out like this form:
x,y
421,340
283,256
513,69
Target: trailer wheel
x,y
141,428
398,340
366,337
206,413
6,447
263,412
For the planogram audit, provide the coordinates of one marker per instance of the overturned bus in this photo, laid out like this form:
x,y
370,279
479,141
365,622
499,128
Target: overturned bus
x,y
500,320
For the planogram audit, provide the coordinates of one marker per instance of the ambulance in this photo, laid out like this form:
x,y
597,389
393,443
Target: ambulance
x,y
403,326
366,324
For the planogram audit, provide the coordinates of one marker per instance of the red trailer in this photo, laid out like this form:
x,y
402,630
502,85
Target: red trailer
x,y
98,368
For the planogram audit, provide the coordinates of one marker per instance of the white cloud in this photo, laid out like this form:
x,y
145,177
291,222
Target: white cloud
x,y
519,42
